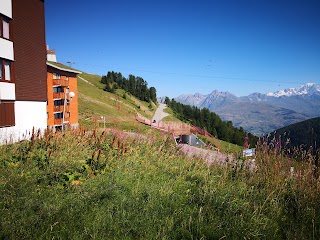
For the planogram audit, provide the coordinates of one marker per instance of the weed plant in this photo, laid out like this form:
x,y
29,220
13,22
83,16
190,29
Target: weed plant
x,y
112,185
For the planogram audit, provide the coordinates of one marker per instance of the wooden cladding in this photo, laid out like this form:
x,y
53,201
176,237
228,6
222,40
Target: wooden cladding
x,y
7,114
28,28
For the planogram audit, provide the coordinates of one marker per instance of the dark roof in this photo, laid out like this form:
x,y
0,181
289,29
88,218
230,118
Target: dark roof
x,y
62,67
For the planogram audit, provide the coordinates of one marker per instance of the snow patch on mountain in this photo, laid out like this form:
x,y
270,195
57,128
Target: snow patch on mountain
x,y
307,89
261,113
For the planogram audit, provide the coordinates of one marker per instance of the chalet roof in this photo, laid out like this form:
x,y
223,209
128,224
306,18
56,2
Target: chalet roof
x,y
62,67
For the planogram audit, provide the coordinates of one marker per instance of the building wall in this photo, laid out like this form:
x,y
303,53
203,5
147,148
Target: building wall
x,y
6,8
6,49
73,87
50,119
7,91
29,115
51,57
28,27
27,93
7,86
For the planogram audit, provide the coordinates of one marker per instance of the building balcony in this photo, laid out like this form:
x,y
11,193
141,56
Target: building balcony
x,y
58,121
57,95
60,108
60,82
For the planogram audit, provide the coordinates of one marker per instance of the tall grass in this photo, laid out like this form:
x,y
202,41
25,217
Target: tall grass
x,y
115,185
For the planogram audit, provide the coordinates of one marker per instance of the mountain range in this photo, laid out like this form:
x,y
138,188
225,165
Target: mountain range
x,y
261,113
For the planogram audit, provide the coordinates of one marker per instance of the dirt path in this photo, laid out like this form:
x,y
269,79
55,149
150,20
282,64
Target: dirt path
x,y
81,78
215,157
160,114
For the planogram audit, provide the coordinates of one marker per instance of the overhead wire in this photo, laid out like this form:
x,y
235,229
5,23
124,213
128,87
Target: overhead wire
x,y
194,75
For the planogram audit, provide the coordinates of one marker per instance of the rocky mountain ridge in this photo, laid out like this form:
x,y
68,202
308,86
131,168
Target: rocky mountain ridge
x,y
261,113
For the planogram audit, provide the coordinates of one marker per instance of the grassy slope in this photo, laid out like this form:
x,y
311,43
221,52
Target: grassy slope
x,y
94,103
111,186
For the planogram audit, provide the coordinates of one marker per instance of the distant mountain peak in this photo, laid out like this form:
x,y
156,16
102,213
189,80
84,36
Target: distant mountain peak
x,y
309,84
221,94
261,113
306,89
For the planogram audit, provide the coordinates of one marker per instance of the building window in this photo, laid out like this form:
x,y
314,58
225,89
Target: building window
x,y
58,115
56,76
5,70
58,89
7,117
58,102
4,27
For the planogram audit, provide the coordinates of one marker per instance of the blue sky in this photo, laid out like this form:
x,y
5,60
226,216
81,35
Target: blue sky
x,y
181,47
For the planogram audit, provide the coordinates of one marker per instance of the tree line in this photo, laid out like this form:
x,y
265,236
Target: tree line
x,y
136,86
203,118
304,135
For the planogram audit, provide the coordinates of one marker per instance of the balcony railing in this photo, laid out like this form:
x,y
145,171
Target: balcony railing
x,y
58,121
60,82
58,108
58,95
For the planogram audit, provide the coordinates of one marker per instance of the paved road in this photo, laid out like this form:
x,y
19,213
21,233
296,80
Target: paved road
x,y
160,114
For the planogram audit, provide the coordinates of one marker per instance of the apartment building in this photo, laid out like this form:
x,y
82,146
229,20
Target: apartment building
x,y
23,69
62,91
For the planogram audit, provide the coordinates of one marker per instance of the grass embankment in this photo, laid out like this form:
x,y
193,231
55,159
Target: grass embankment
x,y
117,186
94,103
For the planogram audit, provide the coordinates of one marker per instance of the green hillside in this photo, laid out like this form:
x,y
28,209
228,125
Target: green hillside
x,y
88,183
94,102
305,134
115,185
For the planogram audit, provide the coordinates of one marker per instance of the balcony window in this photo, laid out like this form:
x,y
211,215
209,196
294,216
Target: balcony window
x,y
56,76
6,28
57,89
5,70
58,102
58,115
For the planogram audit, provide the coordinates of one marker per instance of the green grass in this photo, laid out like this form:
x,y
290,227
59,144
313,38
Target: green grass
x,y
94,103
110,186
93,79
230,147
170,117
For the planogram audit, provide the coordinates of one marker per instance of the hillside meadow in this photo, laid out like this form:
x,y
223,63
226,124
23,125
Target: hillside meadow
x,y
139,185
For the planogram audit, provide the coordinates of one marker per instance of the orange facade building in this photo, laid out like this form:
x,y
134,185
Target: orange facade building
x,y
62,90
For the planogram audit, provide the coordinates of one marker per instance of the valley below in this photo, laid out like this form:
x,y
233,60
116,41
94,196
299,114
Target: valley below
x,y
261,113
